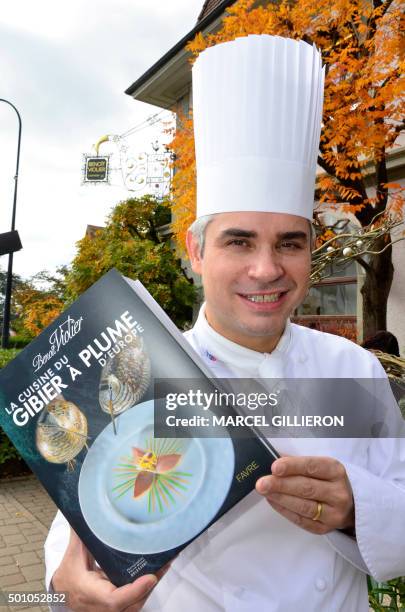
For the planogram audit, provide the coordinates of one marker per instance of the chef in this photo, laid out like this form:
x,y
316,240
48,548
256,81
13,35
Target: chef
x,y
331,510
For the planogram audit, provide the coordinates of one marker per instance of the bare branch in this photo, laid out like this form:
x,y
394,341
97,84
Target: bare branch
x,y
364,265
391,242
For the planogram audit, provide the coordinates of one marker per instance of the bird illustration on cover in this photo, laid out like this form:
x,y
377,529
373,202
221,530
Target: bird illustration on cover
x,y
124,379
61,432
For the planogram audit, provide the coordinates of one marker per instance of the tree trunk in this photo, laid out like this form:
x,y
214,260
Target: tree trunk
x,y
376,289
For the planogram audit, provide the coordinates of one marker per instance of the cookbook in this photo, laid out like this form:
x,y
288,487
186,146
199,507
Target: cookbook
x,y
79,404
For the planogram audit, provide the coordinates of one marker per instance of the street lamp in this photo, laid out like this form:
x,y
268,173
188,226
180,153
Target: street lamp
x,y
7,297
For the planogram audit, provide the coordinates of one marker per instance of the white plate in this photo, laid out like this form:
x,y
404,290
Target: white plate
x,y
180,503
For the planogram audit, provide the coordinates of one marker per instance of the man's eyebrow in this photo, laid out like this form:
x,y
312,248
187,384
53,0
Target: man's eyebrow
x,y
292,236
237,232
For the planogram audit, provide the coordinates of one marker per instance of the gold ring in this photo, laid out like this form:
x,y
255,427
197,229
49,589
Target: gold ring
x,y
318,512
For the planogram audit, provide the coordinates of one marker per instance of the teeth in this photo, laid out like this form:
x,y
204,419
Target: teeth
x,y
274,297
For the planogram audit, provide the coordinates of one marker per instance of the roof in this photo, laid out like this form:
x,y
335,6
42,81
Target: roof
x,y
91,230
211,13
208,7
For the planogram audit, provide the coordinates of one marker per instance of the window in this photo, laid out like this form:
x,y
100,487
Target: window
x,y
335,295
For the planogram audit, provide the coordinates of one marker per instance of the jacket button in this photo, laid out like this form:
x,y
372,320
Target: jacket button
x,y
320,584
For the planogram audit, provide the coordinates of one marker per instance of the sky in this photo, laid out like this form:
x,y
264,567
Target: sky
x,y
65,66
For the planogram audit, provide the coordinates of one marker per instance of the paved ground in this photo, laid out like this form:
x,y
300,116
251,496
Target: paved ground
x,y
26,512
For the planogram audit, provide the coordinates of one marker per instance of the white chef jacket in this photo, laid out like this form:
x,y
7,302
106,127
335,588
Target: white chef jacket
x,y
253,558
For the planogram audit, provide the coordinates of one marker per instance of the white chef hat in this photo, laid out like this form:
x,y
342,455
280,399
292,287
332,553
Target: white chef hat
x,y
257,109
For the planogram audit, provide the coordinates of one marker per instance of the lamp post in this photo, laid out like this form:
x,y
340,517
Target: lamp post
x,y
7,297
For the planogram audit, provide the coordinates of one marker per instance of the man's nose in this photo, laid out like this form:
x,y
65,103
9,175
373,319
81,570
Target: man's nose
x,y
265,266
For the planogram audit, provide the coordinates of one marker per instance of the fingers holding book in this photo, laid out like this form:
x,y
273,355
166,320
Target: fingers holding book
x,y
88,588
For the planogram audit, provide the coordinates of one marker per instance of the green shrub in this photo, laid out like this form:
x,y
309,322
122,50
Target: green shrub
x,y
7,355
7,450
19,341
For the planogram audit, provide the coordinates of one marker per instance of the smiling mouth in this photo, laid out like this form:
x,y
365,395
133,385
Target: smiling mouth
x,y
264,297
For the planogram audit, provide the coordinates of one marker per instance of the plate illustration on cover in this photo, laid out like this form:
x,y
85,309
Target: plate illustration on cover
x,y
143,495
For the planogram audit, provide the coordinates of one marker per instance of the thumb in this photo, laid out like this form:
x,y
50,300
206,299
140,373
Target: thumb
x,y
134,592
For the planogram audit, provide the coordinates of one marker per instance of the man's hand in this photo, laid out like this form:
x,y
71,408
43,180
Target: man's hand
x,y
89,590
298,484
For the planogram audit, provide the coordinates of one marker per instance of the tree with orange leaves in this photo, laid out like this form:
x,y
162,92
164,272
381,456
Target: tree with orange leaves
x,y
38,301
363,113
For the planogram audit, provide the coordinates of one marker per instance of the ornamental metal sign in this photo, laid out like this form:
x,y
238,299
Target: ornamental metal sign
x,y
96,169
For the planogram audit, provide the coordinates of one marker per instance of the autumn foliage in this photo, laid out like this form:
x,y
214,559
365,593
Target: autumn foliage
x,y
38,301
131,242
38,311
184,180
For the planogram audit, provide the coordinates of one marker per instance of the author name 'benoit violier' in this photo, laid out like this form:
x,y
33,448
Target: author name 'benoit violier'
x,y
256,420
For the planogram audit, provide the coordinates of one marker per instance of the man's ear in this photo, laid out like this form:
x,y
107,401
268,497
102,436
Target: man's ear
x,y
193,250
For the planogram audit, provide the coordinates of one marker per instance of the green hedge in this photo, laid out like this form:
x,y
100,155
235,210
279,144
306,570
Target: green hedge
x,y
7,450
7,355
19,342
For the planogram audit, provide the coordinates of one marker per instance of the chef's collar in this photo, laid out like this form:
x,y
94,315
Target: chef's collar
x,y
241,360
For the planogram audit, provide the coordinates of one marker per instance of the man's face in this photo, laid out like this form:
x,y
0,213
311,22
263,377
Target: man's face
x,y
255,271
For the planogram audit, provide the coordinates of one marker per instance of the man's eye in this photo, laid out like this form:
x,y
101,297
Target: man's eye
x,y
238,242
290,246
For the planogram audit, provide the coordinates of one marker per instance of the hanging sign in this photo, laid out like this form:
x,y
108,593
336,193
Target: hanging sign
x,y
96,169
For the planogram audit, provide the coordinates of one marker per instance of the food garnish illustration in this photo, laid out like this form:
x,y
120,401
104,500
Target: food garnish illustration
x,y
61,432
124,379
151,471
